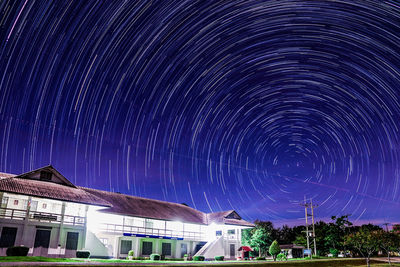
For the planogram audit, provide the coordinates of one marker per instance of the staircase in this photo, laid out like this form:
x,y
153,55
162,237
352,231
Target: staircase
x,y
203,251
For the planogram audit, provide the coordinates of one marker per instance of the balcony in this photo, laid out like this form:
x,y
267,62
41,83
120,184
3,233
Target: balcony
x,y
126,229
16,214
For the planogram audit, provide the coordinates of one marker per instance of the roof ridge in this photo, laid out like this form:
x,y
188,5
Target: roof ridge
x,y
145,198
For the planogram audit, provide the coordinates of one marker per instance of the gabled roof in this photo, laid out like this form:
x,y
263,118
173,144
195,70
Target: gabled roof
x,y
60,188
227,217
57,177
148,208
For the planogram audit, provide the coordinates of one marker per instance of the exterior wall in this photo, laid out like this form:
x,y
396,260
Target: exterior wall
x,y
28,214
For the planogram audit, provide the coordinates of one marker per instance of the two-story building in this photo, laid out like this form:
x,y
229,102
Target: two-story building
x,y
43,210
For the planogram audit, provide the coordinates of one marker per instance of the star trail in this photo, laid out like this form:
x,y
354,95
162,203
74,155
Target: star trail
x,y
246,105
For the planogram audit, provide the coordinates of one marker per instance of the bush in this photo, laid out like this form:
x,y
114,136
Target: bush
x,y
260,258
281,257
131,253
198,258
17,251
334,252
219,258
85,254
155,257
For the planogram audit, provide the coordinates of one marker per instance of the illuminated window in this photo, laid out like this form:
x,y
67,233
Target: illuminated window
x,y
218,233
4,202
231,232
149,224
16,202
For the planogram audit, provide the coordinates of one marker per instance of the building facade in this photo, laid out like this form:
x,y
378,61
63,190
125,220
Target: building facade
x,y
44,211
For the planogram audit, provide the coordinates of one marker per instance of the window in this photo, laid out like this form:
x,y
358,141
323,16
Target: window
x,y
231,232
149,223
25,205
4,202
147,248
44,206
33,205
126,245
166,249
218,233
45,176
16,202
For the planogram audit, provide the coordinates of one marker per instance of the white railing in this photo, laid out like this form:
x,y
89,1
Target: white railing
x,y
17,214
121,229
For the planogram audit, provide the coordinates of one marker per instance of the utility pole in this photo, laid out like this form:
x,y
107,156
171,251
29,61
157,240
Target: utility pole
x,y
306,206
313,228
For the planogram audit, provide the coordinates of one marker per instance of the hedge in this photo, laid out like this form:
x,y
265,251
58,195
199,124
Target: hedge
x,y
198,258
219,258
85,254
155,257
17,251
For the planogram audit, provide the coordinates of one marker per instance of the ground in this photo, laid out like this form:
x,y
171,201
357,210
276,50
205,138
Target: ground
x,y
42,261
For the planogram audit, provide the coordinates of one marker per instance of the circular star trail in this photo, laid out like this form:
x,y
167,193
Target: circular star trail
x,y
245,105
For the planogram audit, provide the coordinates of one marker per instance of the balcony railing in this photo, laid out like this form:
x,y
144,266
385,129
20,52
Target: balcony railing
x,y
121,229
16,214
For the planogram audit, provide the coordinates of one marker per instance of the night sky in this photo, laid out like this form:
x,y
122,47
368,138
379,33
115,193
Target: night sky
x,y
246,105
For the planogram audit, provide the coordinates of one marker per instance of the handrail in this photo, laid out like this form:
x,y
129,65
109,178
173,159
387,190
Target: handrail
x,y
118,228
18,214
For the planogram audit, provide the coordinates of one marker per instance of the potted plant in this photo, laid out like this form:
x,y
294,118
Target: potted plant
x,y
130,254
185,257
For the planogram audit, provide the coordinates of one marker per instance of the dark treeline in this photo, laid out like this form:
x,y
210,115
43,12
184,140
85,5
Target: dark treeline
x,y
339,236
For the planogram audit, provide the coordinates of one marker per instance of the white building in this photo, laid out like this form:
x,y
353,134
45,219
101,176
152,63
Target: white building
x,y
43,210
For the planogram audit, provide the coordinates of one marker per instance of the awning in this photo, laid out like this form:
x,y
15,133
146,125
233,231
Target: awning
x,y
245,248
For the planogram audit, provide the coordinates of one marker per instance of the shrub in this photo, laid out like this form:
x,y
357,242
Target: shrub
x,y
274,249
281,257
155,257
260,258
198,258
334,252
17,251
219,258
131,253
185,255
85,254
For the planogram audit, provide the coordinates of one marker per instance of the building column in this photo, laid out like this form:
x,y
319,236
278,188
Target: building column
x,y
25,226
61,225
137,247
85,227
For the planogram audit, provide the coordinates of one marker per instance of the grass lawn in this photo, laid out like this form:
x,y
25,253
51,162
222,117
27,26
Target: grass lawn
x,y
298,263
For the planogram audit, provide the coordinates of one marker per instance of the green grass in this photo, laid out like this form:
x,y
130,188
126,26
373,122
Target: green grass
x,y
298,263
35,259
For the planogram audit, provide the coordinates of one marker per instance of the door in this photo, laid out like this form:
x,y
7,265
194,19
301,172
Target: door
x,y
42,238
72,240
183,249
232,250
7,238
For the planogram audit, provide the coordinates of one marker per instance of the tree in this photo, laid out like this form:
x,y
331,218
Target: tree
x,y
390,242
260,239
274,249
365,241
336,232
